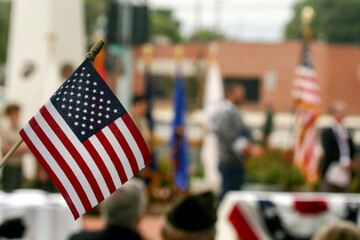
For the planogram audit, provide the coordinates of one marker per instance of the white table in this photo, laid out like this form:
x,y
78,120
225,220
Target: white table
x,y
46,216
299,214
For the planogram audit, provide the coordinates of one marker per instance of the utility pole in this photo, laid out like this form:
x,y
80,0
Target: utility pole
x,y
217,15
124,81
127,25
197,14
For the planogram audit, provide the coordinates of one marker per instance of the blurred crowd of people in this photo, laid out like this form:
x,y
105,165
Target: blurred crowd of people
x,y
193,216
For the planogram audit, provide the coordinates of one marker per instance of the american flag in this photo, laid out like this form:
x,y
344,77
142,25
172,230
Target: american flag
x,y
283,216
306,90
306,93
85,140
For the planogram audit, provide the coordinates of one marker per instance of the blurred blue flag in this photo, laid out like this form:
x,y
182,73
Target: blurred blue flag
x,y
178,141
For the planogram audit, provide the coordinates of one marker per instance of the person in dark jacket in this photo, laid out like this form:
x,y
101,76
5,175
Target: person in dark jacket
x,y
339,150
121,212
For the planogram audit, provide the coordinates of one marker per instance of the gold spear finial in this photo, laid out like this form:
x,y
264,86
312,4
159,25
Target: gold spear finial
x,y
147,52
213,51
95,50
307,15
179,52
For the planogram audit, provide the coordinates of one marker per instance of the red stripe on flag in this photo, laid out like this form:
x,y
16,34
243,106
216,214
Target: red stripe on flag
x,y
307,90
241,225
101,165
51,173
304,77
74,153
113,156
125,146
62,163
310,207
138,138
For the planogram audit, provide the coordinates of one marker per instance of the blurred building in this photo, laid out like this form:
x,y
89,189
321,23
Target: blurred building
x,y
266,70
44,49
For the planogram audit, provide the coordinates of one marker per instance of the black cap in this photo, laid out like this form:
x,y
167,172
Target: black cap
x,y
194,213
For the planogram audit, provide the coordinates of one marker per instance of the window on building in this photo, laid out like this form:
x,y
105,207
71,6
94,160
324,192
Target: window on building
x,y
163,88
251,85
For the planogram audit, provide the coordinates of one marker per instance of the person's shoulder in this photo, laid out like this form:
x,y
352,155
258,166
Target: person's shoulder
x,y
327,131
125,233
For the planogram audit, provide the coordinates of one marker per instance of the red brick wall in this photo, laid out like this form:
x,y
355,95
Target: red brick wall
x,y
336,67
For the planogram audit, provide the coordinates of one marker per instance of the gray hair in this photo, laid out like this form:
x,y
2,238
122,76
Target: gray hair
x,y
337,106
122,208
343,230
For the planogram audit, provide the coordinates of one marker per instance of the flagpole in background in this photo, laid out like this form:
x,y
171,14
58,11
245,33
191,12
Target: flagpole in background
x,y
91,57
151,173
306,93
147,58
213,96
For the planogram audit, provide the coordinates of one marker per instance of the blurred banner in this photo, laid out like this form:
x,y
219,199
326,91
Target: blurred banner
x,y
178,141
290,216
213,96
99,63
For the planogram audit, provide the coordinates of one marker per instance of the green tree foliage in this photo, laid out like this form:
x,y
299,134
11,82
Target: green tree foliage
x,y
162,23
4,28
336,21
206,35
94,10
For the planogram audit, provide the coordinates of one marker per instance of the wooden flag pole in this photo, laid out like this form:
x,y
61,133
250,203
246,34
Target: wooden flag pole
x,y
10,152
91,57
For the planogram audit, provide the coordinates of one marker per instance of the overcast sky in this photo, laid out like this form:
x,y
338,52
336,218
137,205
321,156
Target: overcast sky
x,y
245,20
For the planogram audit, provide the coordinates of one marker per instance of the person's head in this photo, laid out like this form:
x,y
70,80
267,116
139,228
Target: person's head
x,y
192,218
122,208
235,93
338,110
338,231
13,112
140,105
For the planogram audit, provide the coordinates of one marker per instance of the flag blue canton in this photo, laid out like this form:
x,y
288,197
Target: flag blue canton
x,y
86,103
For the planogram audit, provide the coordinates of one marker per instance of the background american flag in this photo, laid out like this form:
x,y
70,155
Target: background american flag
x,y
306,93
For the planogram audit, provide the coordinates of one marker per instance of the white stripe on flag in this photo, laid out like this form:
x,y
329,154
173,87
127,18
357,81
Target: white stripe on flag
x,y
306,71
306,84
307,97
108,162
55,168
68,158
119,151
130,139
80,148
